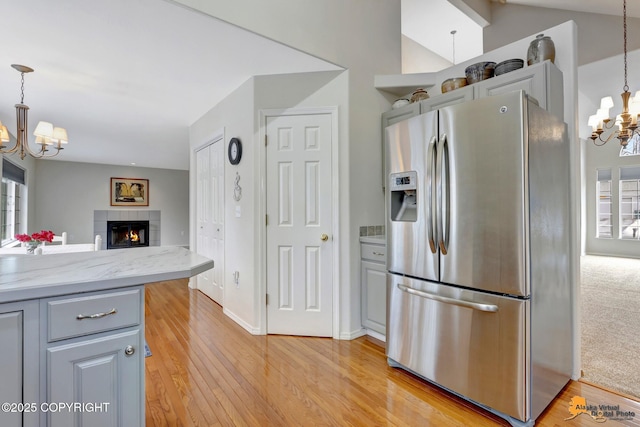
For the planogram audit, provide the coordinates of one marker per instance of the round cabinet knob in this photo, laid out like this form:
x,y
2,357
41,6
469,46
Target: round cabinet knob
x,y
129,350
324,237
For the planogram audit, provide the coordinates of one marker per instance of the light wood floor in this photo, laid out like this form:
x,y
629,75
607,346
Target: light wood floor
x,y
207,371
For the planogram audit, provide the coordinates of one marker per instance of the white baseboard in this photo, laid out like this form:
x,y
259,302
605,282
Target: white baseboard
x,y
242,323
353,334
377,335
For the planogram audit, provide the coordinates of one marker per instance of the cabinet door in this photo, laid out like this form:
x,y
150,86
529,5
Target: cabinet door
x,y
11,367
20,363
456,96
400,114
531,79
98,372
374,296
542,81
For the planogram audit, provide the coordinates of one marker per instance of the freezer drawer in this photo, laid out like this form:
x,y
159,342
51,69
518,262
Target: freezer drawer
x,y
472,343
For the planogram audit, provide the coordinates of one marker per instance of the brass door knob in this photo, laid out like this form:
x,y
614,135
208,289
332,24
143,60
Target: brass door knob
x,y
324,237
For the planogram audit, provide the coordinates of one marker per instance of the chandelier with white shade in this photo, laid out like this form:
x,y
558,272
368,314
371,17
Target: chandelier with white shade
x,y
626,123
48,137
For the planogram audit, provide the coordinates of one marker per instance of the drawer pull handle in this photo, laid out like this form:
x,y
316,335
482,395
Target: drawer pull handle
x,y
97,315
378,253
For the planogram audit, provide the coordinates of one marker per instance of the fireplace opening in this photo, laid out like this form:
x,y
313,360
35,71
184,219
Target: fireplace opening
x,y
127,234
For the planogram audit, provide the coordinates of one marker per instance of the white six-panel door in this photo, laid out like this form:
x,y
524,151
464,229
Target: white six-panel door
x,y
299,225
210,217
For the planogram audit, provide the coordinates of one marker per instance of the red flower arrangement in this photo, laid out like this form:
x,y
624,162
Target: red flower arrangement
x,y
42,236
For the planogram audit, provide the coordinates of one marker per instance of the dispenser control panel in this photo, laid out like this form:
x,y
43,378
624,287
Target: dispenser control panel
x,y
403,181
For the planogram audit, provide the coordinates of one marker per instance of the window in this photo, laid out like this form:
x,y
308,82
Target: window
x,y
632,148
629,203
12,194
603,208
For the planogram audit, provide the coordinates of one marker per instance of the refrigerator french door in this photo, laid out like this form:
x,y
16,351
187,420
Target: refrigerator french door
x,y
478,235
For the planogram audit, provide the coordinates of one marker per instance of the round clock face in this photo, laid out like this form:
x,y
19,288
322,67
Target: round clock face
x,y
235,151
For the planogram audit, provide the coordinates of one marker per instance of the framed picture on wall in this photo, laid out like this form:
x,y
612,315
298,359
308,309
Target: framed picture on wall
x,y
129,192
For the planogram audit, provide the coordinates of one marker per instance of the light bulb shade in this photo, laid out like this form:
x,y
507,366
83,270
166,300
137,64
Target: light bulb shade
x,y
43,140
44,129
606,102
634,106
602,113
60,135
4,133
593,121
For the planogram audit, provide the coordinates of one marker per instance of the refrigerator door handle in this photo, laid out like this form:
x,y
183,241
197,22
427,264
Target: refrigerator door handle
x,y
488,308
431,182
442,194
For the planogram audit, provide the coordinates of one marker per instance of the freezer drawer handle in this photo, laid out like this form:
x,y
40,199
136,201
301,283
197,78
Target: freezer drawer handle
x,y
476,306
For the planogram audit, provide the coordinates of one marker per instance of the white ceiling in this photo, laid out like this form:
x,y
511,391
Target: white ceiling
x,y
126,78
605,7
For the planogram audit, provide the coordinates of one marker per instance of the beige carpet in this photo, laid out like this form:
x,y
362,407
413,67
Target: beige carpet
x,y
610,305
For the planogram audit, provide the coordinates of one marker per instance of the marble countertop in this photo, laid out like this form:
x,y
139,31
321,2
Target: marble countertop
x,y
38,276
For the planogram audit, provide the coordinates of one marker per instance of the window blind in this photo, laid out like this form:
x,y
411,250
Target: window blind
x,y
12,172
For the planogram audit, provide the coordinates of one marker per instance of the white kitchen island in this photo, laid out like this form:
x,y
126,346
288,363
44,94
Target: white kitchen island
x,y
72,334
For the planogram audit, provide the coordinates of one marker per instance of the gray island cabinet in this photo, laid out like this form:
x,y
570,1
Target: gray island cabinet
x,y
72,334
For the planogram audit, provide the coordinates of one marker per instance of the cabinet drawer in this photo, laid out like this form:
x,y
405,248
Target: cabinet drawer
x,y
373,252
89,314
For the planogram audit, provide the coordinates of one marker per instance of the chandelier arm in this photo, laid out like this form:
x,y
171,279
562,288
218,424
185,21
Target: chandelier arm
x,y
603,141
12,150
41,152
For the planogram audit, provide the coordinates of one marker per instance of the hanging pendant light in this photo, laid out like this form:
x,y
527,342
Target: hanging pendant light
x,y
627,121
47,136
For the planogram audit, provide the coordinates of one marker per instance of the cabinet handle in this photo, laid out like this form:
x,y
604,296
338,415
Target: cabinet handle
x,y
97,315
129,350
378,253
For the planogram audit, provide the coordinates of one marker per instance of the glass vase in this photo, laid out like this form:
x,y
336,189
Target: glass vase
x,y
31,246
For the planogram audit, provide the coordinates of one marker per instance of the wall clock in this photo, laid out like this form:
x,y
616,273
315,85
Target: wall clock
x,y
235,151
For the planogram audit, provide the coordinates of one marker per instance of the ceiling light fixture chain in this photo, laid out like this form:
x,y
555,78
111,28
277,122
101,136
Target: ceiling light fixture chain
x,y
22,87
624,19
46,135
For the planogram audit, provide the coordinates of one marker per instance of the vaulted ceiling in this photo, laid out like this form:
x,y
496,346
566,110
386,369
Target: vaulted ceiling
x,y
127,78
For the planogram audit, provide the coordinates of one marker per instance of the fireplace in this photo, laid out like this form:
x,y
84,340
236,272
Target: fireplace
x,y
127,234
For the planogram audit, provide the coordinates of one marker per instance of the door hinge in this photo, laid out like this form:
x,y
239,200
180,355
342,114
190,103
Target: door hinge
x,y
267,299
266,219
265,140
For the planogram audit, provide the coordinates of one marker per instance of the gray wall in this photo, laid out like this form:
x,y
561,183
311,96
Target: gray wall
x,y
66,194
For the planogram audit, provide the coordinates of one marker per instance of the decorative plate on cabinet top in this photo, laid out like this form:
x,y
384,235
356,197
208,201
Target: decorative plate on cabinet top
x,y
508,66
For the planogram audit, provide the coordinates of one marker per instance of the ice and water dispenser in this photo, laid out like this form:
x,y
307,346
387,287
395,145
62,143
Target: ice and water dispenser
x,y
404,204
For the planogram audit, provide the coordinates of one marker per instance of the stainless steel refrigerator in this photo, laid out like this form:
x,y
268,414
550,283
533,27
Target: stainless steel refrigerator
x,y
478,223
